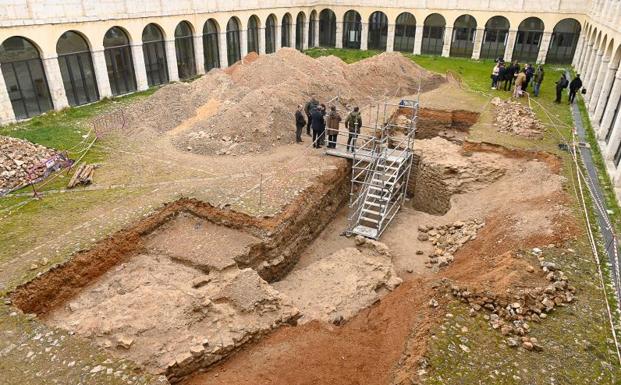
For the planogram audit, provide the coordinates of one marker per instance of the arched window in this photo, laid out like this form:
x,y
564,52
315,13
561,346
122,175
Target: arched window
x,y
405,32
564,41
211,47
433,34
327,28
184,47
270,34
311,29
352,28
119,61
464,29
154,51
528,40
285,35
253,34
495,38
24,77
232,41
76,69
300,22
378,31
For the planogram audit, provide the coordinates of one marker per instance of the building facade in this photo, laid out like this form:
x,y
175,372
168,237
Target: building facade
x,y
60,53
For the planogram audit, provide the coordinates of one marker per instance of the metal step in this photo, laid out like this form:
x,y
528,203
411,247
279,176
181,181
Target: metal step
x,y
363,218
372,212
367,232
377,197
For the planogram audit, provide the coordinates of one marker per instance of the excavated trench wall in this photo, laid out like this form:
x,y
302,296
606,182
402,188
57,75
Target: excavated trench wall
x,y
283,238
427,189
431,122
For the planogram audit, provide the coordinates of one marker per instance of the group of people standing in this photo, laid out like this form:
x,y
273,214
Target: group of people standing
x,y
505,75
322,123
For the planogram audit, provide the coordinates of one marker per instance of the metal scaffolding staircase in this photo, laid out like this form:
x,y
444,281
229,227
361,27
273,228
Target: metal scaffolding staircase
x,y
381,164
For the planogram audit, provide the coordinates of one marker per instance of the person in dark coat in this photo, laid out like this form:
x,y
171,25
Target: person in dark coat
x,y
530,71
353,124
574,87
511,74
308,108
318,125
537,80
561,84
300,122
322,136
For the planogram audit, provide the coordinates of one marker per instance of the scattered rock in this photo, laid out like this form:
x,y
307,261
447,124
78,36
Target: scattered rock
x,y
124,342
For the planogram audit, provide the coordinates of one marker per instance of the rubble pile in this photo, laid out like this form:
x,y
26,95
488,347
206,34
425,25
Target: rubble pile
x,y
447,239
18,159
511,312
516,118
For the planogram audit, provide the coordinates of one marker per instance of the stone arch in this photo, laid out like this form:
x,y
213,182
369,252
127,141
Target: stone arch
x,y
184,49
564,41
211,44
154,52
285,30
495,37
405,32
252,32
300,30
26,83
327,28
76,68
233,43
378,31
464,31
433,34
119,61
352,29
270,33
528,39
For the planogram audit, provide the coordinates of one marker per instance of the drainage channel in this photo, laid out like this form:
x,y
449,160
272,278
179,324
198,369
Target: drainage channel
x,y
597,194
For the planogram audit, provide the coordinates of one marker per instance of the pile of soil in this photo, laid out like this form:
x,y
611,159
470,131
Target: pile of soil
x,y
257,98
18,158
516,118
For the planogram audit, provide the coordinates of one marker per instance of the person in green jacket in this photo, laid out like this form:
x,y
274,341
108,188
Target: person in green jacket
x,y
537,80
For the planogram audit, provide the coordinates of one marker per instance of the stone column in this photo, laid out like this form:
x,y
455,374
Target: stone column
x,y
55,82
448,38
588,66
390,39
615,94
262,41
598,85
510,45
613,143
597,62
364,36
224,53
305,37
543,47
199,54
607,86
339,33
278,37
243,43
294,35
101,73
418,39
478,43
586,52
140,70
7,115
171,60
577,55
316,37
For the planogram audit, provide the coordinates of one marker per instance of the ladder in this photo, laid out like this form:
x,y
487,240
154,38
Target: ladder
x,y
380,178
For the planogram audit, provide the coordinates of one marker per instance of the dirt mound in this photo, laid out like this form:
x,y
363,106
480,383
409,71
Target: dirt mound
x,y
516,118
18,159
258,97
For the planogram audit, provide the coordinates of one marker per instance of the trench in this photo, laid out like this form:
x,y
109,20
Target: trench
x,y
149,291
189,266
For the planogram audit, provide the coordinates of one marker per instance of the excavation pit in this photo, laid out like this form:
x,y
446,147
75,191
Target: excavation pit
x,y
186,286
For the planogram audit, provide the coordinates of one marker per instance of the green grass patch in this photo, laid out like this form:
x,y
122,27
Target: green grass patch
x,y
347,55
